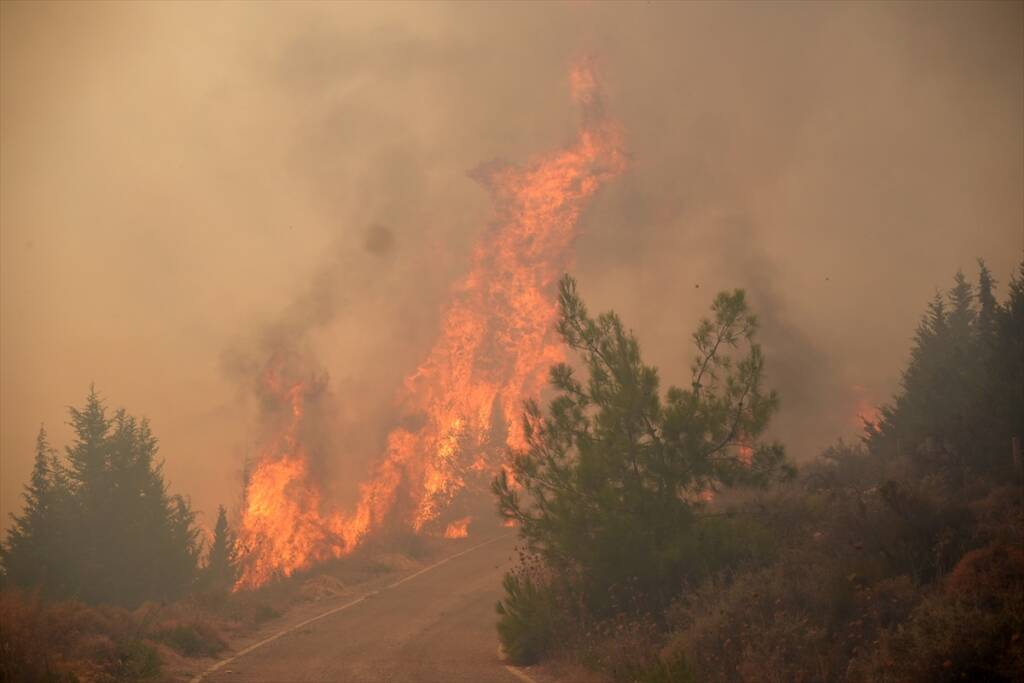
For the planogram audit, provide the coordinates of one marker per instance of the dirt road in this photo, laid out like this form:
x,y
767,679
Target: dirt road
x,y
433,626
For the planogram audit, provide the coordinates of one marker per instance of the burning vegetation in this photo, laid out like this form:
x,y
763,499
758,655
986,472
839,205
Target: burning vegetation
x,y
496,344
664,531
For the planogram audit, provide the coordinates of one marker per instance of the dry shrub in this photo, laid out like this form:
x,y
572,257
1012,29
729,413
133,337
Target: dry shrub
x,y
67,640
623,647
396,562
321,587
70,641
971,629
27,644
191,638
985,573
238,613
801,619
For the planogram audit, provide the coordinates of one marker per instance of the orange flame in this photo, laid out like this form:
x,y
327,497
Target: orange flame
x,y
496,344
497,336
459,528
282,529
867,413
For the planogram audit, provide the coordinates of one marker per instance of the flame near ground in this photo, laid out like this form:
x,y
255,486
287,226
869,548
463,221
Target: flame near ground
x,y
496,344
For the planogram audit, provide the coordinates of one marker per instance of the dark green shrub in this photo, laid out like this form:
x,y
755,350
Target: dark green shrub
x,y
528,616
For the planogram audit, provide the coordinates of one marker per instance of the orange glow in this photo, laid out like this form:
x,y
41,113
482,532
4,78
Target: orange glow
x,y
496,344
282,530
497,336
459,528
867,413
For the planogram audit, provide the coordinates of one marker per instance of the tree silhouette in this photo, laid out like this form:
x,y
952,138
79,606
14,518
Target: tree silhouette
x,y
221,563
962,392
31,552
103,528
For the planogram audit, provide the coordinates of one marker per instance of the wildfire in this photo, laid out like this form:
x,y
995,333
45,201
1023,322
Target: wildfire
x,y
497,336
867,413
282,528
458,529
496,344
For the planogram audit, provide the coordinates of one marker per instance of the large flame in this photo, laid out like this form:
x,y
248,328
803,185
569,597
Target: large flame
x,y
496,343
283,528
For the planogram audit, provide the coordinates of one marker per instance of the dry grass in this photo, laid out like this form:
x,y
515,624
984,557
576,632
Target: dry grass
x,y
65,641
70,641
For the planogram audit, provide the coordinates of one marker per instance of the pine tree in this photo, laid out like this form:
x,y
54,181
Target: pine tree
x,y
1005,371
28,555
92,538
613,475
963,389
962,313
987,304
87,458
221,562
103,528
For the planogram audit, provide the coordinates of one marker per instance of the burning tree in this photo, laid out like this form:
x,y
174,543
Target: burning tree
x,y
497,340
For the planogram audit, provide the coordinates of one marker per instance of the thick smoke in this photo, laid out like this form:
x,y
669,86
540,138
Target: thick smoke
x,y
175,175
282,352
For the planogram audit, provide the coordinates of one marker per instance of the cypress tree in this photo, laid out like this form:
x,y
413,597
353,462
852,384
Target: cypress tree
x,y
28,554
103,528
221,562
987,303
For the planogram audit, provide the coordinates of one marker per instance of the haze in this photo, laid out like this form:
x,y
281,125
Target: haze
x,y
178,181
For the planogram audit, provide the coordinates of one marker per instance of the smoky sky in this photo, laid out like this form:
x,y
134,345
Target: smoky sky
x,y
182,186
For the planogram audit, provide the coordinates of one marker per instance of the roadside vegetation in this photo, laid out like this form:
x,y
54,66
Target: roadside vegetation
x,y
663,540
106,576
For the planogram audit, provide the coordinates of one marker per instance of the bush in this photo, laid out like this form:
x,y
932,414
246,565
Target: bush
x,y
190,638
799,619
527,625
70,641
626,648
135,660
972,629
27,642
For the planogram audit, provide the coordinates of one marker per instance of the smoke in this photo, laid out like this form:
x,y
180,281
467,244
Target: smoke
x,y
183,179
282,352
817,404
